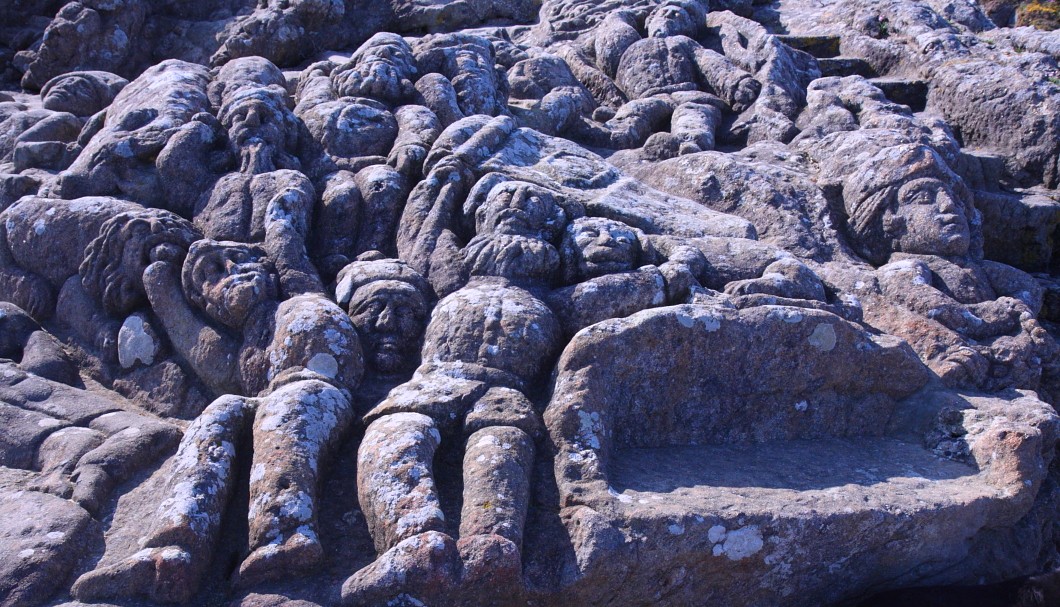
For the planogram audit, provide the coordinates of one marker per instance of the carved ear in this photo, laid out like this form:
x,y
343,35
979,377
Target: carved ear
x,y
893,225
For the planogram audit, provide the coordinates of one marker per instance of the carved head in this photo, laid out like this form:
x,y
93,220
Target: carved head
x,y
227,280
358,127
261,128
675,18
388,303
928,218
383,68
911,202
594,246
114,262
519,207
81,93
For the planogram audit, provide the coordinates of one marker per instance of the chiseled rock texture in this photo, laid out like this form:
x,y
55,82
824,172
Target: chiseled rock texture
x,y
528,302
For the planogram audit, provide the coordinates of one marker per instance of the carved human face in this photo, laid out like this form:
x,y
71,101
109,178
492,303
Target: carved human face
x,y
257,128
931,219
233,281
71,94
520,208
389,316
670,19
601,246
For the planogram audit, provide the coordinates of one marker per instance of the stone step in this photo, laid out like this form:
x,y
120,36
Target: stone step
x,y
822,47
1020,230
981,170
907,92
845,66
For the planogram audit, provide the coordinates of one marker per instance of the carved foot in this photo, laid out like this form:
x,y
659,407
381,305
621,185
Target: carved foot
x,y
273,561
493,567
423,566
161,574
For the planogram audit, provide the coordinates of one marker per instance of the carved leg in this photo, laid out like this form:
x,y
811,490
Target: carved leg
x,y
497,466
694,124
335,222
180,546
384,191
295,428
395,480
395,486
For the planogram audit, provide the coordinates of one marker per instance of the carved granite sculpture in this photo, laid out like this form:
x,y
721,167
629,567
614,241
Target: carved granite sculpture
x,y
528,302
373,137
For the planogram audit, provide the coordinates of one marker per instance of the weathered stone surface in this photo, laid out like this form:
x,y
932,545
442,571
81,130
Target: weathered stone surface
x,y
717,500
42,538
455,302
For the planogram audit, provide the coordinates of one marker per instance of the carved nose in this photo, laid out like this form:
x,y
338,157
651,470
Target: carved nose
x,y
947,204
253,118
386,318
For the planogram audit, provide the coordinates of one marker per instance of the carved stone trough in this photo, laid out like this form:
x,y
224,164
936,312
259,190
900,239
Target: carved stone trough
x,y
778,455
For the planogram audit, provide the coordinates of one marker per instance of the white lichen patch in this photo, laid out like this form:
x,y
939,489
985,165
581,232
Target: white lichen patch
x,y
716,534
823,337
742,543
324,364
135,344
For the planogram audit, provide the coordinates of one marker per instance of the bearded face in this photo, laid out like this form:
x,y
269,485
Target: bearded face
x,y
258,130
232,281
600,246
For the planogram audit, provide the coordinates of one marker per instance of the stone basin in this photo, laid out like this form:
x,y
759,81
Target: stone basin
x,y
681,484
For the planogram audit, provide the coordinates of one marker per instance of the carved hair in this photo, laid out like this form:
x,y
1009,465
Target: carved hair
x,y
868,194
160,236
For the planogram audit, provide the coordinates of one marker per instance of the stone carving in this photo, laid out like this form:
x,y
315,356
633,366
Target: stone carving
x,y
121,145
374,137
296,362
663,76
42,138
453,302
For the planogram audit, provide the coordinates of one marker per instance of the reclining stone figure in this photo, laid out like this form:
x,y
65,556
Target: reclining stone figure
x,y
365,116
286,367
120,146
666,76
268,200
971,320
487,344
45,138
45,242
